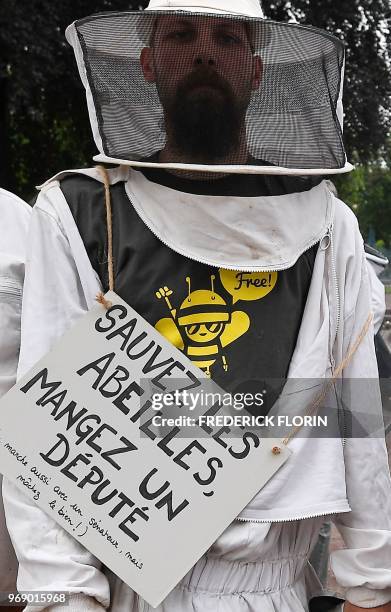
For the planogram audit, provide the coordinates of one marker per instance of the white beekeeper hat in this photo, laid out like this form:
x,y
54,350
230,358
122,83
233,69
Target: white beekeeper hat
x,y
294,120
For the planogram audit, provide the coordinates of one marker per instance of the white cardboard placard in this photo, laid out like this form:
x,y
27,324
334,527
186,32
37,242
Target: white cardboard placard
x,y
70,438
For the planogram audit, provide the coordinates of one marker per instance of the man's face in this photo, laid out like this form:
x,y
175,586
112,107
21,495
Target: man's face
x,y
205,71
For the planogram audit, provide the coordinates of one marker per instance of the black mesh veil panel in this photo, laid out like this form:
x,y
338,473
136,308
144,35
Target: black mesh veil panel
x,y
212,89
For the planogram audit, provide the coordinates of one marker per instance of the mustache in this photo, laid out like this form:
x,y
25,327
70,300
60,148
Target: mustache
x,y
204,77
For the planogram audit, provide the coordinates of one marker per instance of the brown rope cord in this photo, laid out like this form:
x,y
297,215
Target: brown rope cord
x,y
109,223
338,371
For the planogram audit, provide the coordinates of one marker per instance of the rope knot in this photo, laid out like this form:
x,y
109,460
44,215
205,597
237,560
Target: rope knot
x,y
100,298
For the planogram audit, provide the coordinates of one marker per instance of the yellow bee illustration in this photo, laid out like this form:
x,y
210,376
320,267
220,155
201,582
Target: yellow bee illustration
x,y
203,325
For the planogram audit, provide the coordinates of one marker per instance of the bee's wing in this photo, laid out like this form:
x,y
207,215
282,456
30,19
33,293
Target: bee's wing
x,y
238,326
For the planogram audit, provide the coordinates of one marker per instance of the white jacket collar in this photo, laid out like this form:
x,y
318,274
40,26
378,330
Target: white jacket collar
x,y
251,233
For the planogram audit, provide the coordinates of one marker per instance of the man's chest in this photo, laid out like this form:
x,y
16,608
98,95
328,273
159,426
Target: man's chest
x,y
240,328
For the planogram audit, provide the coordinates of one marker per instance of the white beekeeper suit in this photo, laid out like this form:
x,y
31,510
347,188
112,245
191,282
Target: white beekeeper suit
x,y
261,561
14,215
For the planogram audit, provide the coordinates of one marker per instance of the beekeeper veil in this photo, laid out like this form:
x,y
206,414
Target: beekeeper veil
x,y
212,85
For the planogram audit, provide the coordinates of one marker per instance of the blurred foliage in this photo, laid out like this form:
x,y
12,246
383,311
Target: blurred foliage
x,y
44,125
368,191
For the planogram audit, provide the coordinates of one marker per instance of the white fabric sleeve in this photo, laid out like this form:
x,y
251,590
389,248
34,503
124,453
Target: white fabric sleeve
x,y
49,558
10,306
378,297
364,566
14,215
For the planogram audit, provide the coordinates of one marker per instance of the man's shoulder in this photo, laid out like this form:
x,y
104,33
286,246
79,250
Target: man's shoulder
x,y
81,187
78,188
85,177
344,216
348,241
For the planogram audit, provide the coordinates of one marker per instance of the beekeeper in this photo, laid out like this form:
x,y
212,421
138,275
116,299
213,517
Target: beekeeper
x,y
226,238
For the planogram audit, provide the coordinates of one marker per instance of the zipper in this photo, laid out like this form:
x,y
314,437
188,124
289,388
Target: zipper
x,y
10,287
288,520
325,243
335,282
338,304
146,221
336,285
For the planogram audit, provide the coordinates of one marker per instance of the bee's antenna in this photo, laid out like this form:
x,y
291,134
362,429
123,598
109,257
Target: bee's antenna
x,y
212,279
188,280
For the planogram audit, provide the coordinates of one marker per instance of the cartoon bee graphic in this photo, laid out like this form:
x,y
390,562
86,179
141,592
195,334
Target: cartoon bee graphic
x,y
202,326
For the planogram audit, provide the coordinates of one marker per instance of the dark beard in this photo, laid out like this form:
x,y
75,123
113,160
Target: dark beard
x,y
206,123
